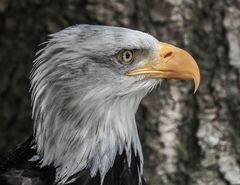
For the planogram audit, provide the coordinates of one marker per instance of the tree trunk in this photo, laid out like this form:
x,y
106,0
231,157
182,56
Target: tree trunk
x,y
187,139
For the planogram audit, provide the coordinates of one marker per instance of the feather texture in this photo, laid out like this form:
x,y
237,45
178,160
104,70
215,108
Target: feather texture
x,y
83,104
84,110
22,167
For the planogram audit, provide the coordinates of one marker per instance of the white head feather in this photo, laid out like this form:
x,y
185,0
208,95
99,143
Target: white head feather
x,y
83,105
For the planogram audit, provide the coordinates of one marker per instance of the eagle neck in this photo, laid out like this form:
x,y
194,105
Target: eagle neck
x,y
103,130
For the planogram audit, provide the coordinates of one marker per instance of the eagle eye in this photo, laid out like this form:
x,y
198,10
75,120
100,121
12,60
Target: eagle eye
x,y
125,56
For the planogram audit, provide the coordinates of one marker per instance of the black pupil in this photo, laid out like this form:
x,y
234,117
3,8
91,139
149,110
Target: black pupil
x,y
127,55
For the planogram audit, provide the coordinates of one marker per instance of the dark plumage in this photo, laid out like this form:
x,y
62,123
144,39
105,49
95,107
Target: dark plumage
x,y
17,169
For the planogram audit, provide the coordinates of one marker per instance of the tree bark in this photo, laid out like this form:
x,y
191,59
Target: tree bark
x,y
187,139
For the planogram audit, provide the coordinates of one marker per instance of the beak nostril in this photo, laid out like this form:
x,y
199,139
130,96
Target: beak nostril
x,y
168,54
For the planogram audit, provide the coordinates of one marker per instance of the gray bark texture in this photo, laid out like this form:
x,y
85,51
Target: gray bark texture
x,y
187,139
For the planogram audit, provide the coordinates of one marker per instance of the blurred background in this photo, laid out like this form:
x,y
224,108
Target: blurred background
x,y
188,139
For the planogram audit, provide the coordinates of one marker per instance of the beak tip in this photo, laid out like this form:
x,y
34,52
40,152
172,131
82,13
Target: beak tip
x,y
195,89
196,83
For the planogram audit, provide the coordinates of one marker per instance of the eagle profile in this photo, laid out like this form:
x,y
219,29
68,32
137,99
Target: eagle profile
x,y
86,85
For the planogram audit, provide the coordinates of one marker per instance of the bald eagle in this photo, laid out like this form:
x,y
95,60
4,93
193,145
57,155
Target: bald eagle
x,y
86,86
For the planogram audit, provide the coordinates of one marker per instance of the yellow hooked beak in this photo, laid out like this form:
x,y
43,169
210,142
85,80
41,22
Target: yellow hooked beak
x,y
170,62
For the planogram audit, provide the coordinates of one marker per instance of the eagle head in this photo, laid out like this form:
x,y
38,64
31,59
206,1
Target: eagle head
x,y
86,84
